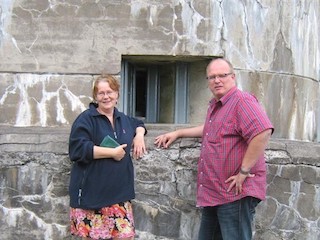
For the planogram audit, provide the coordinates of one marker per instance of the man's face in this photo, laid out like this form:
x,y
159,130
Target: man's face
x,y
220,78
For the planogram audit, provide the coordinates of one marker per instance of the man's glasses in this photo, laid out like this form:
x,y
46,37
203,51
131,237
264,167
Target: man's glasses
x,y
218,76
109,94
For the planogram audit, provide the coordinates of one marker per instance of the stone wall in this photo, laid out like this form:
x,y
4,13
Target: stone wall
x,y
35,170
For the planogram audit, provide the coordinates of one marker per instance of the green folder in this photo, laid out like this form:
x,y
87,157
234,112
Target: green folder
x,y
109,142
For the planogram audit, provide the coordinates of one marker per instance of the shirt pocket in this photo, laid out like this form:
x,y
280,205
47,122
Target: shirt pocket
x,y
213,132
228,130
220,130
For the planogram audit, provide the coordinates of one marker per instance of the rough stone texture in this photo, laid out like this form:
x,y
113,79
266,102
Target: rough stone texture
x,y
50,50
34,178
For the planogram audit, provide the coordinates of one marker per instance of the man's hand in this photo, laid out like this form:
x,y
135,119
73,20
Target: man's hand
x,y
165,140
237,181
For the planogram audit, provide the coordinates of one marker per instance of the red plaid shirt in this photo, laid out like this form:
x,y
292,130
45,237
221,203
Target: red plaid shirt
x,y
230,125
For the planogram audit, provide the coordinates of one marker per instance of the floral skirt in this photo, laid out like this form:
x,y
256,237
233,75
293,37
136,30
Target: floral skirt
x,y
115,221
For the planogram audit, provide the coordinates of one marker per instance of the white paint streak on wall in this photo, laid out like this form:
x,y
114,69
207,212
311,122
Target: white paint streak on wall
x,y
25,114
304,38
191,20
5,19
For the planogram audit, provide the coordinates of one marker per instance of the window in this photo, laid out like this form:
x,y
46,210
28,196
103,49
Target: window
x,y
156,89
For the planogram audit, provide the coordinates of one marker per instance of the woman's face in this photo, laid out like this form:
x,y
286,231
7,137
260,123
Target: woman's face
x,y
106,97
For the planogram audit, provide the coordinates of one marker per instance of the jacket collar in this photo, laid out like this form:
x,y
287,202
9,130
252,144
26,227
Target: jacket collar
x,y
94,112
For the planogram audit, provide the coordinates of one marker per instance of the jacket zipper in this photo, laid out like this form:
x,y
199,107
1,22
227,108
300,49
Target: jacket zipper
x,y
81,185
115,135
79,196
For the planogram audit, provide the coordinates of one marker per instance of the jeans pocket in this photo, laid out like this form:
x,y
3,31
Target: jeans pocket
x,y
253,203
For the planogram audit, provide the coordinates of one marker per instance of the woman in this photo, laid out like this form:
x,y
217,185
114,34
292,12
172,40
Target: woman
x,y
101,182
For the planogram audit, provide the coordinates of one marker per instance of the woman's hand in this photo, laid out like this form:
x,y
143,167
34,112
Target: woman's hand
x,y
139,147
119,152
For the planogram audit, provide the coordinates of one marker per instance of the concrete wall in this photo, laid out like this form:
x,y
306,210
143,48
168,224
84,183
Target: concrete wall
x,y
49,51
34,178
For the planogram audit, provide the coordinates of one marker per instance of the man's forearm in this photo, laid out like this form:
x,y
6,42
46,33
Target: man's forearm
x,y
190,132
255,149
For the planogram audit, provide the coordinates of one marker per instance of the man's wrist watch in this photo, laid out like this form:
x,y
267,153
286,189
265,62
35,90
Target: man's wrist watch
x,y
244,172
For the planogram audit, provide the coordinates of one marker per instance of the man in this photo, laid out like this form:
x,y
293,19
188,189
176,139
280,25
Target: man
x,y
231,168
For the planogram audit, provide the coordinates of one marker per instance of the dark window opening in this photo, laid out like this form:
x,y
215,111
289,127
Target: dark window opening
x,y
157,88
141,93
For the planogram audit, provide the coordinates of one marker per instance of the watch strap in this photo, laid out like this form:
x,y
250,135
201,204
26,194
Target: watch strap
x,y
244,172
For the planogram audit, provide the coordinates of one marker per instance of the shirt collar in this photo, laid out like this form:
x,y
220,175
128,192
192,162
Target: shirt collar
x,y
226,97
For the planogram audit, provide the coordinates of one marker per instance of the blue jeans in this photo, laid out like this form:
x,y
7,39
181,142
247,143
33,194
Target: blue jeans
x,y
231,221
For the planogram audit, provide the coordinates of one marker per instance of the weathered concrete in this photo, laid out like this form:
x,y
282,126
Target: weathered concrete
x,y
34,178
50,50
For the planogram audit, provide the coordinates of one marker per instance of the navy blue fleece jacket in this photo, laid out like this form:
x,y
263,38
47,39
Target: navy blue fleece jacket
x,y
102,182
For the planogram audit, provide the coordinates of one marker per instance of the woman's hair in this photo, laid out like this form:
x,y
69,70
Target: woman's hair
x,y
113,83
